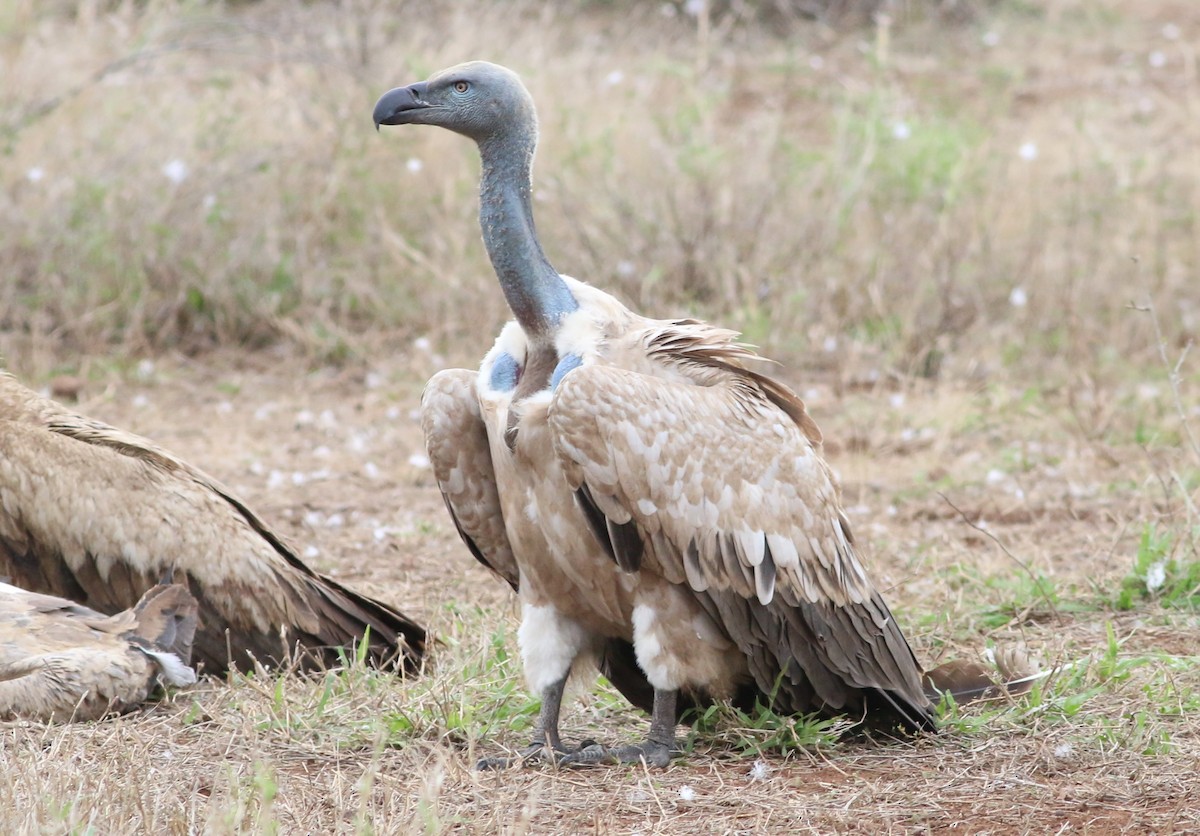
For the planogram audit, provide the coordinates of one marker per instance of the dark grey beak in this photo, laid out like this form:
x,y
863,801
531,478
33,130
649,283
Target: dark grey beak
x,y
395,106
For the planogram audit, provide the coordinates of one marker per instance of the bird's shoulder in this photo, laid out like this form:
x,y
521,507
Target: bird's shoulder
x,y
638,356
603,331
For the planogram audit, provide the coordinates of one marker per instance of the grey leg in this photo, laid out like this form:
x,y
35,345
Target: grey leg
x,y
545,731
655,751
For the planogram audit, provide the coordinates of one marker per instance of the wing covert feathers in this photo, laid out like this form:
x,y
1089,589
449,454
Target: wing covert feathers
x,y
726,487
98,515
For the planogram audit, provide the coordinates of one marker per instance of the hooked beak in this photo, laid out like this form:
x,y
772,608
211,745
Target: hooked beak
x,y
397,107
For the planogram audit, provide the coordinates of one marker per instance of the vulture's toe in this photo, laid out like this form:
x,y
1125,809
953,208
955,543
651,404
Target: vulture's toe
x,y
535,752
653,752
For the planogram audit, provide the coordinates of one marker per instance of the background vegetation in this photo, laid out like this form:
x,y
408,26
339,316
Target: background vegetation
x,y
975,197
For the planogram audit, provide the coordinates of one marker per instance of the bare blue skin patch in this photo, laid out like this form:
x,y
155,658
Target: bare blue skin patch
x,y
566,364
505,373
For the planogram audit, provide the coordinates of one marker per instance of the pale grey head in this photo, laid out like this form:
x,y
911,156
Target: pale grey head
x,y
489,104
479,100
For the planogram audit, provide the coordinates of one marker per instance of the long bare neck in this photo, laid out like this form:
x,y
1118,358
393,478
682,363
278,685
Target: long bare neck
x,y
536,293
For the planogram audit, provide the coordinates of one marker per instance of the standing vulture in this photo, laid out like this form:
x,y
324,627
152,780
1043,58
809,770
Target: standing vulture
x,y
96,515
640,483
61,661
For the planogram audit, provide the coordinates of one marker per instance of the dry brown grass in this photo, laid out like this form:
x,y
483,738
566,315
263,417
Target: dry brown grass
x,y
809,187
1002,463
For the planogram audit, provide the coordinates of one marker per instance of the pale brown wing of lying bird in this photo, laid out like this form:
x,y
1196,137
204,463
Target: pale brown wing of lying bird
x,y
97,515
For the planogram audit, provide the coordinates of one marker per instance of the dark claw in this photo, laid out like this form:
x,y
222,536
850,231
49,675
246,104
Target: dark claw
x,y
588,753
587,756
652,752
484,764
532,753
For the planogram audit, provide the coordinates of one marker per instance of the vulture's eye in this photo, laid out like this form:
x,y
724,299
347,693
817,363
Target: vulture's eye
x,y
461,86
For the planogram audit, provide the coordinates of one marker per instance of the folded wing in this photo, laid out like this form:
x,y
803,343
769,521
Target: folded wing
x,y
457,441
98,515
721,487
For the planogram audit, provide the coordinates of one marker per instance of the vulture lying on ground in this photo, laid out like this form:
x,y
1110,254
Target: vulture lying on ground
x,y
658,504
61,661
96,515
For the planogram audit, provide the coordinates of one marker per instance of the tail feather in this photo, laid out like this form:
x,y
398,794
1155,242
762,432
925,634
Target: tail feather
x,y
969,681
394,639
347,616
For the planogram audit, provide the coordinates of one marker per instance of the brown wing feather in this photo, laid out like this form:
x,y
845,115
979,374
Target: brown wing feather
x,y
457,441
726,485
99,515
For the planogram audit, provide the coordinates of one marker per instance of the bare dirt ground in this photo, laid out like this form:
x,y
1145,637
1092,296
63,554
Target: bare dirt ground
x,y
960,496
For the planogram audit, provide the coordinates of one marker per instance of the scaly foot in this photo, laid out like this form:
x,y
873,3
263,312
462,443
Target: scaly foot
x,y
534,753
653,752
